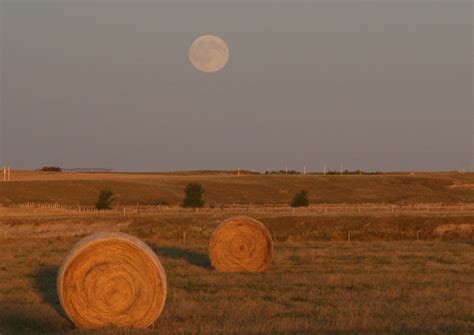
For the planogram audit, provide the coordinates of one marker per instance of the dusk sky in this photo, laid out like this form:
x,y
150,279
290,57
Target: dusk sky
x,y
373,85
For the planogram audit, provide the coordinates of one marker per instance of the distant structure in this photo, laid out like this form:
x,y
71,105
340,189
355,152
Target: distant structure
x,y
6,173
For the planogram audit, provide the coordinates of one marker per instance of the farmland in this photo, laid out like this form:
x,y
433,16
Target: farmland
x,y
228,188
389,253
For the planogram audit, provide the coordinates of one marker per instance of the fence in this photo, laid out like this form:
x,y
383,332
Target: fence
x,y
260,208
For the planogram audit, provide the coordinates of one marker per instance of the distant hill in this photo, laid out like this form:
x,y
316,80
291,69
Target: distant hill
x,y
229,188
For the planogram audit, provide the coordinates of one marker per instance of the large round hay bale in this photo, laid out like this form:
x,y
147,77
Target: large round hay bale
x,y
241,244
112,279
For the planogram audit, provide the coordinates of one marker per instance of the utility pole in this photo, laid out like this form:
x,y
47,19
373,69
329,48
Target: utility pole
x,y
324,169
304,169
341,169
9,173
286,169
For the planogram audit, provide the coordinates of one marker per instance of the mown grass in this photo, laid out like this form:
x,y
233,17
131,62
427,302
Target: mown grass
x,y
384,281
284,226
324,287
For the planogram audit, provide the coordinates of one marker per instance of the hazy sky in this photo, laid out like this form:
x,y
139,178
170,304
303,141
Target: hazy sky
x,y
374,85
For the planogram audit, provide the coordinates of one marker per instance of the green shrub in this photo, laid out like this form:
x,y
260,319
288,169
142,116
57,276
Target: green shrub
x,y
105,199
193,197
300,199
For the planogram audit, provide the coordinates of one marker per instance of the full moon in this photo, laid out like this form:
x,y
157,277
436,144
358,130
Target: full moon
x,y
209,53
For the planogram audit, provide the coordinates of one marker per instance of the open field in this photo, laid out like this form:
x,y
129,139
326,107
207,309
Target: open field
x,y
393,255
220,188
321,287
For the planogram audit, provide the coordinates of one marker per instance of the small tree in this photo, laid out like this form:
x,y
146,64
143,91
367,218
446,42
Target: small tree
x,y
105,199
193,197
51,168
300,200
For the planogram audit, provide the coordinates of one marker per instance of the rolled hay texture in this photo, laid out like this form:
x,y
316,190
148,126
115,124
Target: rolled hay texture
x,y
112,279
241,244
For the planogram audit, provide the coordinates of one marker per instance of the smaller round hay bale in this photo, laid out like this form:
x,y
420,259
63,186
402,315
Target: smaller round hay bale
x,y
112,279
241,244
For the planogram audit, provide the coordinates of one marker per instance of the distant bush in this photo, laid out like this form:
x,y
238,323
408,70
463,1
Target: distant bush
x,y
51,168
300,199
193,197
162,202
105,199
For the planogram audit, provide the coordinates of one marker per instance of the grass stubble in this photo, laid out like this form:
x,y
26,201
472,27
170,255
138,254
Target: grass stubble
x,y
395,276
331,287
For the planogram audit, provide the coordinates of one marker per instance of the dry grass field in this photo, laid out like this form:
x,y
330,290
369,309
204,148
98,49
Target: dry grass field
x,y
228,188
375,254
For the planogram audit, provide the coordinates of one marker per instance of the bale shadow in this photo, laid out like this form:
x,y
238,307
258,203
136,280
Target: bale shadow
x,y
192,257
45,284
19,322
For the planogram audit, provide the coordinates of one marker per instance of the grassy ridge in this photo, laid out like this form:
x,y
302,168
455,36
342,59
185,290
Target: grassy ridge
x,y
148,189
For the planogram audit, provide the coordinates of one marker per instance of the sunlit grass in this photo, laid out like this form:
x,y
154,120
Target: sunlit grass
x,y
332,287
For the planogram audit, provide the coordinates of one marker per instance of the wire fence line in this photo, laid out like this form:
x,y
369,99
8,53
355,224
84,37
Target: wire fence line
x,y
255,208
